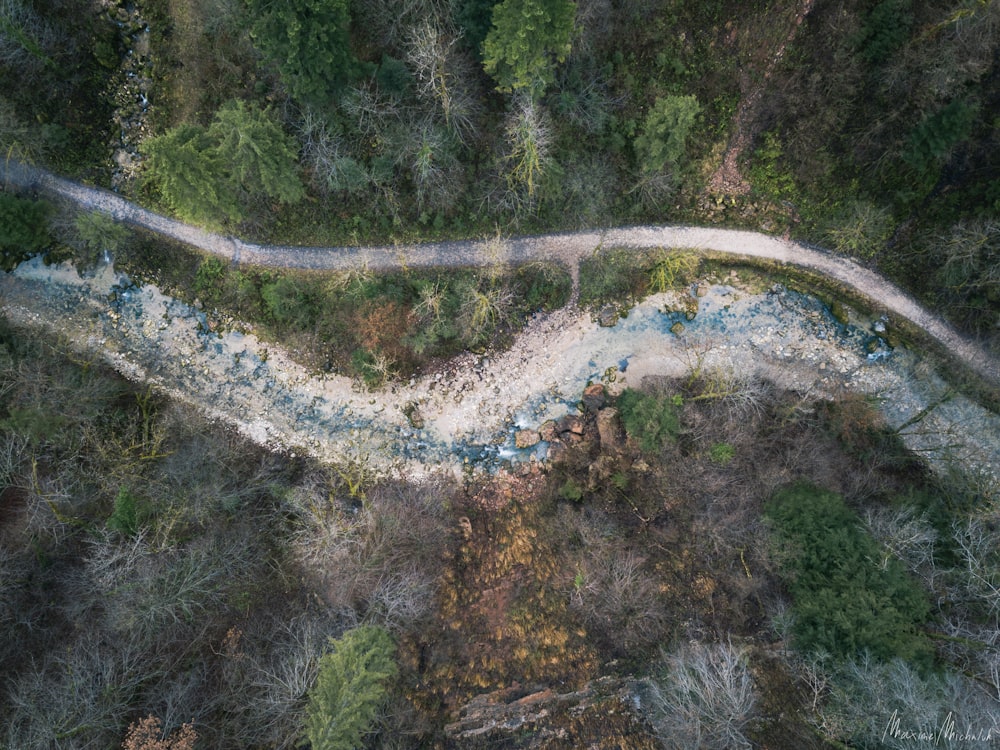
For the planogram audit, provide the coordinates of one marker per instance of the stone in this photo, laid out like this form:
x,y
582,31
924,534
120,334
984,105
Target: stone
x,y
677,328
571,424
413,415
526,439
610,430
608,316
594,397
548,431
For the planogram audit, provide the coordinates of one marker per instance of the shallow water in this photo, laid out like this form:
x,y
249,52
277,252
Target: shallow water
x,y
472,411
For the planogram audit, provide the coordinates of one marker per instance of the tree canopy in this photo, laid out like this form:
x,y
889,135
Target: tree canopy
x,y
201,172
663,140
349,689
528,38
309,42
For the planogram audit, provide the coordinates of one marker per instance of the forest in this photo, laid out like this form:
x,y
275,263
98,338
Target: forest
x,y
711,561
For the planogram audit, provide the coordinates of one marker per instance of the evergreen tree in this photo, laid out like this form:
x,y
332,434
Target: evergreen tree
x,y
309,42
258,154
184,165
349,689
528,38
202,172
663,141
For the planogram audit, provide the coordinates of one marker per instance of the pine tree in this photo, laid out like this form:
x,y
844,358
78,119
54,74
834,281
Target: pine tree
x,y
349,689
528,38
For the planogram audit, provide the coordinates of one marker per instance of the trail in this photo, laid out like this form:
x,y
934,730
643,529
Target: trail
x,y
567,249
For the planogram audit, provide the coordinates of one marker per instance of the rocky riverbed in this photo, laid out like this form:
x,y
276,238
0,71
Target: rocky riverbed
x,y
467,415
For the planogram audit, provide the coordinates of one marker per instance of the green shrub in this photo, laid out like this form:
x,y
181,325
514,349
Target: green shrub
x,y
24,229
350,689
850,596
662,145
128,513
932,141
288,304
650,420
722,453
885,30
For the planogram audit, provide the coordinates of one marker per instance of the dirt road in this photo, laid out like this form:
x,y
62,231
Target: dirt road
x,y
565,248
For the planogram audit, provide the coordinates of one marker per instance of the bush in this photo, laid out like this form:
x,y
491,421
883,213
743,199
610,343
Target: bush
x,y
663,141
24,229
850,596
650,420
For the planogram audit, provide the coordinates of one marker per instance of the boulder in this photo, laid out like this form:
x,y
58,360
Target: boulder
x,y
571,424
607,317
594,397
610,430
548,431
526,438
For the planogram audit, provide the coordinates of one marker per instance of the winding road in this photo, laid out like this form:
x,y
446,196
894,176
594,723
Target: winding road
x,y
564,248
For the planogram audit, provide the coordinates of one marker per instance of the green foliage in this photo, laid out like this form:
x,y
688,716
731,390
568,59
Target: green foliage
x,y
128,513
850,596
528,38
184,166
768,172
932,141
672,269
99,232
201,172
612,277
474,18
861,229
24,229
722,453
885,30
571,490
288,304
663,141
350,689
259,156
650,420
309,42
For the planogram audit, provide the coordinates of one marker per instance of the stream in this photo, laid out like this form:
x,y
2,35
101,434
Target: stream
x,y
472,408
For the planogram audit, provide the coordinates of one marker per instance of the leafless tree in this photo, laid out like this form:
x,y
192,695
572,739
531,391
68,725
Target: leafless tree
x,y
705,698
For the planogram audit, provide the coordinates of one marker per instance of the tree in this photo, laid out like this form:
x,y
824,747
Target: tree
x,y
663,140
202,172
528,142
850,596
705,698
349,689
259,155
309,42
185,167
527,39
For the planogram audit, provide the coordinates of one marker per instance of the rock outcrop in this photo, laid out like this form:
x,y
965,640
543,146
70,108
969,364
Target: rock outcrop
x,y
603,714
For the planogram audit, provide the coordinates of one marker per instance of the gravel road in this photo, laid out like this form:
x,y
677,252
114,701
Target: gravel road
x,y
565,248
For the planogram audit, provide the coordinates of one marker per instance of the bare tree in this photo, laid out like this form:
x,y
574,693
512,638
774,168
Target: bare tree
x,y
705,699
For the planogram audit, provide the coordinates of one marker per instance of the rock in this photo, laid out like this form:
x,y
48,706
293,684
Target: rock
x,y
413,415
608,316
571,424
594,397
609,429
548,431
526,438
601,715
677,328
